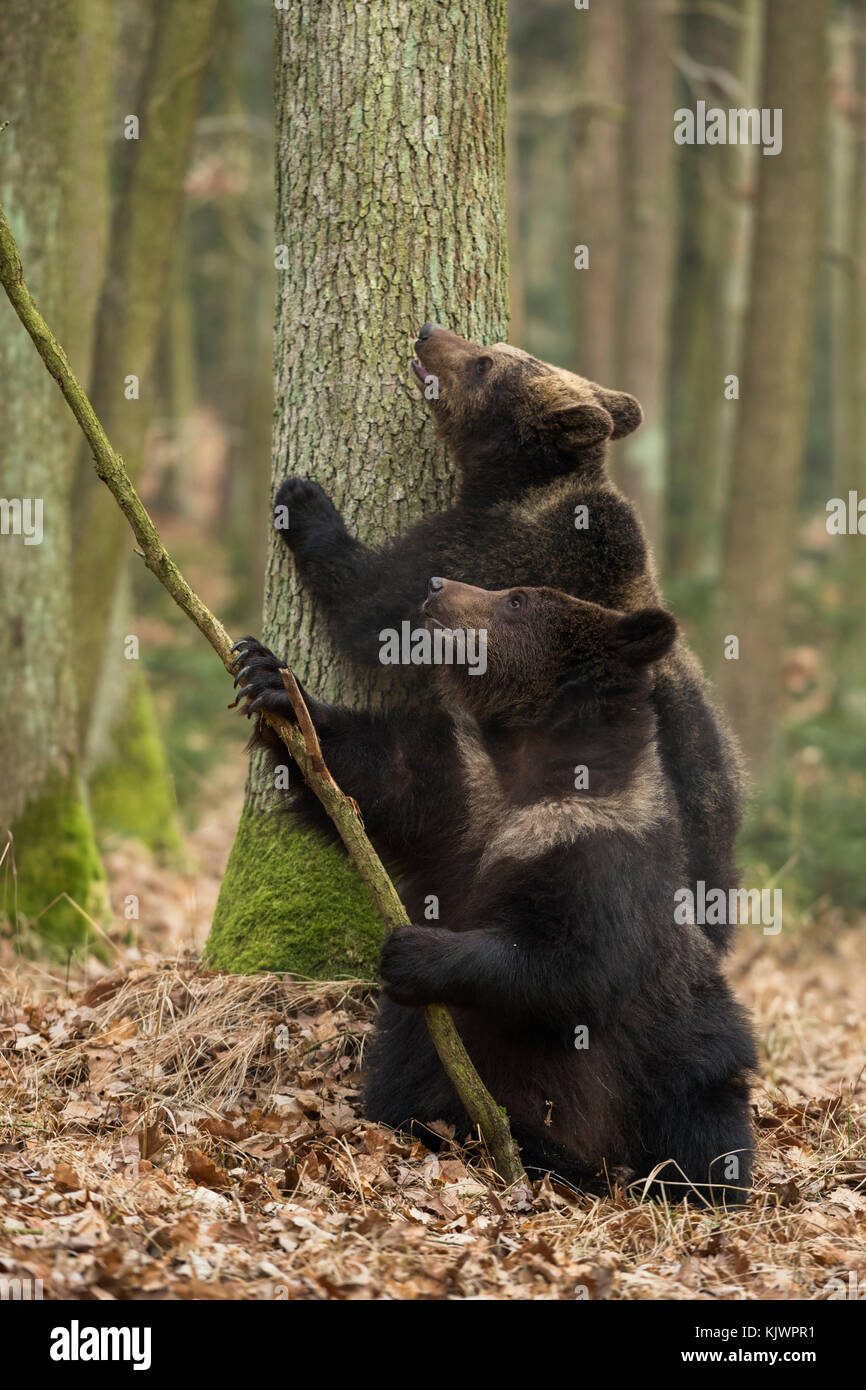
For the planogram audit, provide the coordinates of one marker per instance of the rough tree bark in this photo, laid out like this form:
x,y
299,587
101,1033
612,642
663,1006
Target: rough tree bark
x,y
390,204
53,91
775,380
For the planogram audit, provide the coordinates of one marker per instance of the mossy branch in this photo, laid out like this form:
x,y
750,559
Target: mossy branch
x,y
479,1104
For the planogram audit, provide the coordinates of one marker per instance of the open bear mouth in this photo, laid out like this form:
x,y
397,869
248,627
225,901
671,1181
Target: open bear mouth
x,y
422,375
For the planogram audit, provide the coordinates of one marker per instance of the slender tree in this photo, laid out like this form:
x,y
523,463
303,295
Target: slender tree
x,y
856,464
117,729
645,280
54,62
776,373
390,211
710,183
542,38
849,262
598,209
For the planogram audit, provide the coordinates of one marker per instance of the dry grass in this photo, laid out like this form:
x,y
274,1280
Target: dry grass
x,y
168,1133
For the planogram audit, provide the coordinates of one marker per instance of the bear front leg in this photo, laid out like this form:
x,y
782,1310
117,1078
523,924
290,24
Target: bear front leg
x,y
330,558
420,965
431,965
308,521
485,969
354,584
261,685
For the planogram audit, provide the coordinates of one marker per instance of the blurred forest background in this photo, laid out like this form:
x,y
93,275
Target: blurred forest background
x,y
697,274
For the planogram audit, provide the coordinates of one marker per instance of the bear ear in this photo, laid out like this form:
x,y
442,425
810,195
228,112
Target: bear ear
x,y
625,410
580,424
643,636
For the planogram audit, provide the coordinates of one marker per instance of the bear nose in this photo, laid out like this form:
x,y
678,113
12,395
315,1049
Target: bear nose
x,y
426,331
435,585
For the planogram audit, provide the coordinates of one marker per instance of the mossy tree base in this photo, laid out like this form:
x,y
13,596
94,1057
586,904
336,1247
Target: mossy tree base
x,y
56,854
131,792
290,901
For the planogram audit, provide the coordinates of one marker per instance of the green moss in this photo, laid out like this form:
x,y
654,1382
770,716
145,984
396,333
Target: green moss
x,y
131,794
55,854
291,901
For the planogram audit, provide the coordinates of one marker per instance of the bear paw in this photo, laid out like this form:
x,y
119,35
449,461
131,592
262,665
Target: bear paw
x,y
258,675
406,965
306,517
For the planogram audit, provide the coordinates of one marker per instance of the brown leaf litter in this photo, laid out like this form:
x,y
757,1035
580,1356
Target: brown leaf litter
x,y
167,1133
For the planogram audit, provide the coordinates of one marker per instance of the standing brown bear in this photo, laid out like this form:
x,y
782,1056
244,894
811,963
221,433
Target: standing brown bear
x,y
536,506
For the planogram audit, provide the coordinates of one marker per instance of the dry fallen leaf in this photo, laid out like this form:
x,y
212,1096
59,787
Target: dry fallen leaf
x,y
66,1179
203,1170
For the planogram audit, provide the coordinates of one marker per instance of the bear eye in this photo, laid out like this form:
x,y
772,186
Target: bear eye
x,y
481,365
515,601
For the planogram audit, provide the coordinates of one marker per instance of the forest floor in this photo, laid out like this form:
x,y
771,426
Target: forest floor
x,y
166,1133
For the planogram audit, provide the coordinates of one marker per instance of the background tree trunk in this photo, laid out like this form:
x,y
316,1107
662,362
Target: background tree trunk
x,y
542,99
131,307
54,62
597,221
710,184
856,457
130,319
390,200
849,246
775,382
644,288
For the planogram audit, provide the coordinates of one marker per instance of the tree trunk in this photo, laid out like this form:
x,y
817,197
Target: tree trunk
x,y
856,458
644,287
849,267
132,307
543,38
390,202
710,181
761,527
130,318
52,179
598,212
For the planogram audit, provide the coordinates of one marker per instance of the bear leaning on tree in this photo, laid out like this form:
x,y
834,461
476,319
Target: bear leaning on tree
x,y
606,1030
536,506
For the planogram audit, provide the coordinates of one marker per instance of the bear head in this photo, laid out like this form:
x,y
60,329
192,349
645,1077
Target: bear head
x,y
498,408
546,652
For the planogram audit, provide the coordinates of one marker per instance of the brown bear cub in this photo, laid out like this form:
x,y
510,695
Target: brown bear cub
x,y
536,507
539,850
